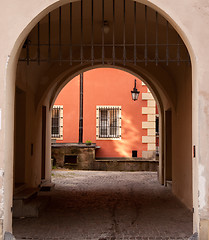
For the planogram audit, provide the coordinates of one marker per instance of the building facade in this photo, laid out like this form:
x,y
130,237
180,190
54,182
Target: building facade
x,y
120,126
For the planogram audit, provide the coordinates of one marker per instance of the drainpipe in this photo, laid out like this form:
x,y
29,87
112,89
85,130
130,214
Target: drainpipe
x,y
81,110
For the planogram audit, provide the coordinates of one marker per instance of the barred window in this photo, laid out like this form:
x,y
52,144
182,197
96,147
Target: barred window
x,y
108,122
57,122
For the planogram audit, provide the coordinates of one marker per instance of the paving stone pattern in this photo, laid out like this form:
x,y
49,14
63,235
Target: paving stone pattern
x,y
107,206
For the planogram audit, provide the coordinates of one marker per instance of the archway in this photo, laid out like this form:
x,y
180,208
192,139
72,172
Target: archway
x,y
39,99
86,193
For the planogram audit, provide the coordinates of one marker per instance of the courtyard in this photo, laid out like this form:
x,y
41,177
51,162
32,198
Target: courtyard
x,y
107,205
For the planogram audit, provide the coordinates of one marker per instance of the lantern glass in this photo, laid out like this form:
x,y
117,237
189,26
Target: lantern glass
x,y
135,95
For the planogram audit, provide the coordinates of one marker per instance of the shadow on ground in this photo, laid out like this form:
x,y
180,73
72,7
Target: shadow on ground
x,y
107,205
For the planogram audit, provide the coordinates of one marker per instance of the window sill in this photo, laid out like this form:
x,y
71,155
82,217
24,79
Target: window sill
x,y
107,138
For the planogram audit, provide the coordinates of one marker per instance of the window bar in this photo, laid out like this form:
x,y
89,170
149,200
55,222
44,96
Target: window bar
x,y
58,121
100,113
71,33
167,42
113,122
110,121
102,31
113,38
156,46
38,44
101,127
27,49
92,32
60,35
124,32
178,50
145,51
117,122
61,118
100,122
49,37
135,33
81,50
100,119
106,114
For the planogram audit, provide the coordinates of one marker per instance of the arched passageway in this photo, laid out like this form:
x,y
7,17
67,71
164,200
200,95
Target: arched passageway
x,y
126,201
77,37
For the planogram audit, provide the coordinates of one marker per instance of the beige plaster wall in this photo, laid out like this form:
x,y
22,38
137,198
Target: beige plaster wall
x,y
17,20
182,138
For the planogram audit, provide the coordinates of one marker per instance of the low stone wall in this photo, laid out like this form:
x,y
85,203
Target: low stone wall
x,y
84,154
126,165
84,157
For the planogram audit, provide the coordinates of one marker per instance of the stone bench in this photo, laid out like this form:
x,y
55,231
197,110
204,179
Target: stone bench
x,y
25,203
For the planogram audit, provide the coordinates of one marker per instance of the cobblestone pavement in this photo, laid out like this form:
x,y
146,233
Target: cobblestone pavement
x,y
108,206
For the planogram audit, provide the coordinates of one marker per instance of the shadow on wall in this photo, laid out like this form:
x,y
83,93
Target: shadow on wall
x,y
131,138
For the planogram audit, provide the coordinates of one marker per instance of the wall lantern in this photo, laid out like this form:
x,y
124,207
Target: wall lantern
x,y
135,93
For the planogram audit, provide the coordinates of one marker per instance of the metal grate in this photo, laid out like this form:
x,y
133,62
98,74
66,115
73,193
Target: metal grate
x,y
109,122
75,34
70,159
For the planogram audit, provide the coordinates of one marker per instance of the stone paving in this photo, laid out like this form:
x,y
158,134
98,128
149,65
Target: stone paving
x,y
107,206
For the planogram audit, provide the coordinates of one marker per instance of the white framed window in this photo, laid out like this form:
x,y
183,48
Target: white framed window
x,y
108,122
57,122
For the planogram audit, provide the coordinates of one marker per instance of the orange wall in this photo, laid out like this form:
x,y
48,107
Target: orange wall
x,y
105,86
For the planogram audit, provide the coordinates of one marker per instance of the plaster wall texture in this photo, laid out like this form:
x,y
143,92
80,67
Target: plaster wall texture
x,y
105,87
16,22
182,139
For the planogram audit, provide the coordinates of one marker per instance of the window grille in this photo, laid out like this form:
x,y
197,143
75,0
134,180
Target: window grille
x,y
57,122
108,122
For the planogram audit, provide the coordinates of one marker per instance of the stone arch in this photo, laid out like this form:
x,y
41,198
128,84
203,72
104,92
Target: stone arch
x,y
12,62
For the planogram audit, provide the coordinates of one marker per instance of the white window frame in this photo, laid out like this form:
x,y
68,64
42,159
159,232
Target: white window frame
x,y
60,134
109,137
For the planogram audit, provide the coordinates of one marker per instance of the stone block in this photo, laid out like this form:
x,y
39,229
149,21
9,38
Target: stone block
x,y
151,118
151,103
148,154
147,125
151,147
151,132
148,110
147,96
148,139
